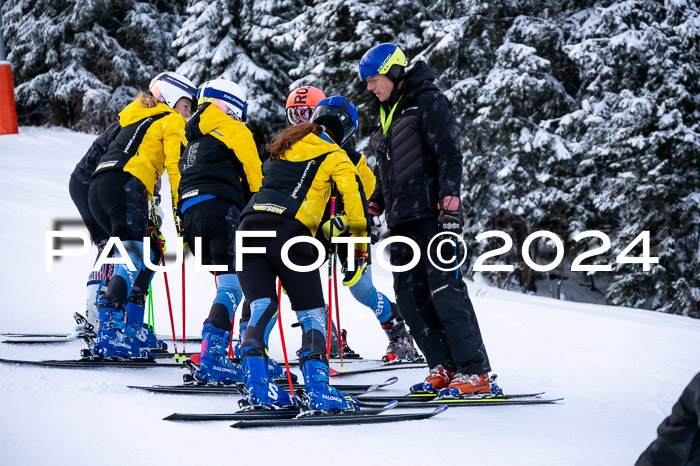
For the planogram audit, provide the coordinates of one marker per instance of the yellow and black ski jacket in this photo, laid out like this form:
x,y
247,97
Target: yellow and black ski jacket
x,y
298,185
220,158
147,145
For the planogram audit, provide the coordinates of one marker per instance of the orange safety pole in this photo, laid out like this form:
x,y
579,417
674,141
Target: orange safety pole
x,y
8,112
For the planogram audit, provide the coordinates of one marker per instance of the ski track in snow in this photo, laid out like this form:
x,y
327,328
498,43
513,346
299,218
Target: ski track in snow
x,y
620,370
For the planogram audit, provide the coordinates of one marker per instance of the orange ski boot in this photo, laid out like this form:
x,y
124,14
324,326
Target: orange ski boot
x,y
438,378
470,384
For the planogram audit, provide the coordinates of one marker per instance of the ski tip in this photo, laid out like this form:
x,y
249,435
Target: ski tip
x,y
373,388
440,409
390,405
391,381
332,372
172,417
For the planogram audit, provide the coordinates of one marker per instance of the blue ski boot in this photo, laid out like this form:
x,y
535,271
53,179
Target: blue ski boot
x,y
321,396
262,391
135,329
214,365
110,340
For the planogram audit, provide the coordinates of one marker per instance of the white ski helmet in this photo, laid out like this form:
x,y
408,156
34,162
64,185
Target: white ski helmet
x,y
173,87
230,93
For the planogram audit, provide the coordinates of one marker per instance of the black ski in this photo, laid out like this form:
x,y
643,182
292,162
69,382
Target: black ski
x,y
423,397
338,419
384,367
470,402
258,414
94,362
232,389
50,338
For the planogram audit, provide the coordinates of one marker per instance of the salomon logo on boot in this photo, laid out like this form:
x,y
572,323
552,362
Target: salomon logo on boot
x,y
321,396
261,390
214,365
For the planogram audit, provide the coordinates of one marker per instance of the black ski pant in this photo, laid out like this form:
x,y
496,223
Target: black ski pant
x,y
119,203
678,441
215,221
435,304
79,190
259,272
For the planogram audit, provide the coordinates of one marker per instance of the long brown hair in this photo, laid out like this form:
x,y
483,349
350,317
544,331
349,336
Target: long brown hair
x,y
284,140
147,100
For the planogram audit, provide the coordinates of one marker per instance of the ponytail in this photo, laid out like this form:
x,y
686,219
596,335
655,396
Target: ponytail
x,y
284,140
147,100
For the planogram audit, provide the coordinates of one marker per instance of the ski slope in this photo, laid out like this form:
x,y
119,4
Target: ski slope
x,y
619,370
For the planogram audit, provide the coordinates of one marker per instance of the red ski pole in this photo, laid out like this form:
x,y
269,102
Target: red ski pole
x,y
184,342
165,274
337,314
284,346
331,277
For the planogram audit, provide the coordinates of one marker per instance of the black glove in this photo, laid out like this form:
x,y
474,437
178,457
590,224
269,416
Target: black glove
x,y
450,216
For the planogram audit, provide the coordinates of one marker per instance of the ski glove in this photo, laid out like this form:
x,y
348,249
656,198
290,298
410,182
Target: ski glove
x,y
375,209
339,223
450,216
156,235
361,262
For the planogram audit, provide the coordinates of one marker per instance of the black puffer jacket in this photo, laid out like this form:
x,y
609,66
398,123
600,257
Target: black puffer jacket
x,y
424,160
86,167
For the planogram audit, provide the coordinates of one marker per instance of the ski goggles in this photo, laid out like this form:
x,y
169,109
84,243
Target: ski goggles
x,y
296,115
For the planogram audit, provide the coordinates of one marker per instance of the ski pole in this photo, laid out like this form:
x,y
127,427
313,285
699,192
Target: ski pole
x,y
184,342
151,313
331,273
337,311
180,233
165,274
284,346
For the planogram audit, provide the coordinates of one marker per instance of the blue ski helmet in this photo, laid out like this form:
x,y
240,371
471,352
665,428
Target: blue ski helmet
x,y
385,59
337,114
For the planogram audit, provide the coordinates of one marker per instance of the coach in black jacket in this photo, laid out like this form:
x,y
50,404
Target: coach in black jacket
x,y
678,443
418,189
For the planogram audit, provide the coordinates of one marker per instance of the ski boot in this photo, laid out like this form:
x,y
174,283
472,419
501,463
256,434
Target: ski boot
x,y
438,378
348,353
137,330
110,340
400,342
320,396
262,391
486,387
214,365
465,385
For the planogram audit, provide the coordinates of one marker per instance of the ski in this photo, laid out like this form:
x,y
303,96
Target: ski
x,y
94,362
423,397
232,389
51,338
382,368
261,414
468,402
338,419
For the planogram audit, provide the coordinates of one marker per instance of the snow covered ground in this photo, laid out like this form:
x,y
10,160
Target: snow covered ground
x,y
619,370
